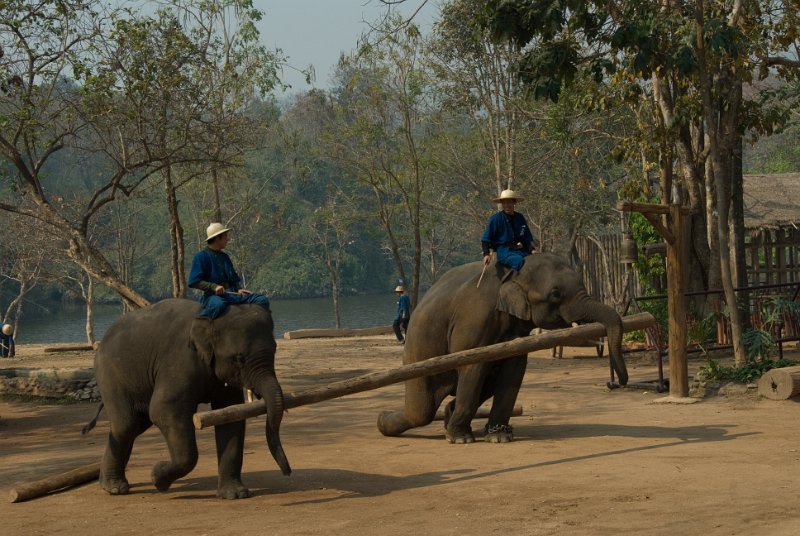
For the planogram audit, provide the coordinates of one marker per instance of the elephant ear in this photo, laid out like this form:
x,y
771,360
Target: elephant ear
x,y
201,339
512,300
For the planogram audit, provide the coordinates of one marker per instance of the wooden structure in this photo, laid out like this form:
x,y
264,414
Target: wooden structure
x,y
772,223
341,332
675,232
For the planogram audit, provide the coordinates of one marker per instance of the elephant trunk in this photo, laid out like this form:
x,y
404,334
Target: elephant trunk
x,y
270,390
591,310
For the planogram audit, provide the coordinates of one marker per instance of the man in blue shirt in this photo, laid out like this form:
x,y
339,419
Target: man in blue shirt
x,y
507,233
403,314
7,348
213,273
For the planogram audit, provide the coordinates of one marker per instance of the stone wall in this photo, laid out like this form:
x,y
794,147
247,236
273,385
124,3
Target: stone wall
x,y
75,384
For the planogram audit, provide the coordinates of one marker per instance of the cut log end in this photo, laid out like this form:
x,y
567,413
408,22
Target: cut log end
x,y
780,383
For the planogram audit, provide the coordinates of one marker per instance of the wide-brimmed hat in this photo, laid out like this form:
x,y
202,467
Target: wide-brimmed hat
x,y
400,288
8,329
508,194
215,229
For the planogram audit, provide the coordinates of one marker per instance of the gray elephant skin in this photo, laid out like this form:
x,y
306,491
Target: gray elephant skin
x,y
455,314
156,364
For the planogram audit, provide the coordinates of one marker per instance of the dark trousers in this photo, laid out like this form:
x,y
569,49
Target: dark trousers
x,y
215,305
396,326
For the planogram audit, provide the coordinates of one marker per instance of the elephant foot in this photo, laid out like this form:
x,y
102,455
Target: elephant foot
x,y
459,438
233,490
115,486
499,433
160,477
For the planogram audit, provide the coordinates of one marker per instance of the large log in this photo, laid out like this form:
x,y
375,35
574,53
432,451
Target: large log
x,y
341,332
71,348
75,477
780,383
434,365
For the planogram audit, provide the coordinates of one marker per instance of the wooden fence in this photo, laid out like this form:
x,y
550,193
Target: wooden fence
x,y
773,256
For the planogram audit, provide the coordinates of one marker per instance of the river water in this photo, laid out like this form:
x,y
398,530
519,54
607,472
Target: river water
x,y
68,323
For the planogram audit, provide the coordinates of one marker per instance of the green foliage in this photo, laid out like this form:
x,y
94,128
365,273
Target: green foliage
x,y
747,373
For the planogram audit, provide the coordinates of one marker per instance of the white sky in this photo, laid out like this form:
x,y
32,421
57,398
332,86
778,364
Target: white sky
x,y
316,31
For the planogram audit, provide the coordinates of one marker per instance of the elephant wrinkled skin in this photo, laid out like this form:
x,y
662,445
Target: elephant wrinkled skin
x,y
457,315
156,364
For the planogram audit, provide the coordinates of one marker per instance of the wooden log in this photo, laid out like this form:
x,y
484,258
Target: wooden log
x,y
434,365
70,348
343,332
482,413
75,477
780,383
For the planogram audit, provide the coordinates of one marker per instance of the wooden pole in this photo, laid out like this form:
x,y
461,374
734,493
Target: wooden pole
x,y
75,477
677,262
780,383
434,365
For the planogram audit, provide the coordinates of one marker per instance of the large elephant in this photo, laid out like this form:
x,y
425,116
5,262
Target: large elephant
x,y
458,314
156,364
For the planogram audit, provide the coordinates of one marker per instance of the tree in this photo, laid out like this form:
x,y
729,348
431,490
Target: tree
x,y
696,57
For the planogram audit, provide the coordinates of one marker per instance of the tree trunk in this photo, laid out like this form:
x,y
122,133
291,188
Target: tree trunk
x,y
175,237
90,310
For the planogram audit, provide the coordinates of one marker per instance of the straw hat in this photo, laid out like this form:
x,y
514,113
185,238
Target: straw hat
x,y
8,329
400,288
215,229
508,194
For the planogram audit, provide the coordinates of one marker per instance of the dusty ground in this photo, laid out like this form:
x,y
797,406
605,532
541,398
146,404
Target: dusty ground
x,y
586,461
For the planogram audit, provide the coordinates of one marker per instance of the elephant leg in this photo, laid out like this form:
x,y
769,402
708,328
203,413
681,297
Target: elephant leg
x,y
507,383
124,432
468,398
230,453
423,398
176,427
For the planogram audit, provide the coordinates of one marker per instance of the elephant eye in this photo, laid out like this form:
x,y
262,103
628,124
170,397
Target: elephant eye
x,y
240,359
556,295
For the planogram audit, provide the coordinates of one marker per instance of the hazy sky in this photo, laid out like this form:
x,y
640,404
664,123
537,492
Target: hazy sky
x,y
317,31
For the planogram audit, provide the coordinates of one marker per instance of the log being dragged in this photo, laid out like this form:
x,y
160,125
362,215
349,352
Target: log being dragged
x,y
75,477
434,365
780,383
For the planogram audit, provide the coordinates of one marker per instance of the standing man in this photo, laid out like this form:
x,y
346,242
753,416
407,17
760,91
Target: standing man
x,y
7,341
507,233
213,273
403,314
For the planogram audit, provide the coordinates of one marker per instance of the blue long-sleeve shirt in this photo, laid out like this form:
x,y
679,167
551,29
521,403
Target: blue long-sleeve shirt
x,y
211,268
403,307
504,230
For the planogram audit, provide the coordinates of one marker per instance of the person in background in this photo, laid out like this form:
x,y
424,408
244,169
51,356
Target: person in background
x,y
213,273
507,233
7,348
403,314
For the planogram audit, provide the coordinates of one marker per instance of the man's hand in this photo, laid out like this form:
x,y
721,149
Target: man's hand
x,y
242,292
487,259
219,290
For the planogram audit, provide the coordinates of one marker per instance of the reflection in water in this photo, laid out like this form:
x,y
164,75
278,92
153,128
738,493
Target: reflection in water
x,y
68,323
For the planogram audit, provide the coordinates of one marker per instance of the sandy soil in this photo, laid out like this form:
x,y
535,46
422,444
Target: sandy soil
x,y
585,461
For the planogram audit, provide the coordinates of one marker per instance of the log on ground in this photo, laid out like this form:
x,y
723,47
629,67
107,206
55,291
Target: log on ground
x,y
780,383
71,348
75,477
342,332
434,365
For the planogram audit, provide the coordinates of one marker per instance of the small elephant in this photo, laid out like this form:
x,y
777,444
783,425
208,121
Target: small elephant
x,y
456,314
156,364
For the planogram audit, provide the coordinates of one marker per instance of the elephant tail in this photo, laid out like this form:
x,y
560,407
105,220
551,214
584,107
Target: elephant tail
x,y
91,424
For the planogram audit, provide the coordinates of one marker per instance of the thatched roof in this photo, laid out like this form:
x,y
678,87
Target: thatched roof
x,y
771,201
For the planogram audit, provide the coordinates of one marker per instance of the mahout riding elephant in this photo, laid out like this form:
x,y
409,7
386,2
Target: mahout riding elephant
x,y
156,364
458,314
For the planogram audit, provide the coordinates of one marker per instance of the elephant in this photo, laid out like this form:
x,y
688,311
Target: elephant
x,y
156,364
458,314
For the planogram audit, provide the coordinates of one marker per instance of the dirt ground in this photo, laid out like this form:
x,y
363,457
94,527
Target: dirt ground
x,y
585,461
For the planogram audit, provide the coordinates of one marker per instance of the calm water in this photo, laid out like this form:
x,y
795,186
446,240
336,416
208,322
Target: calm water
x,y
67,324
